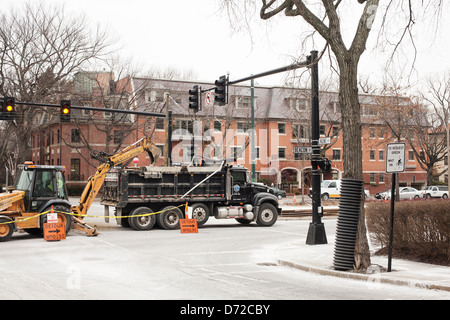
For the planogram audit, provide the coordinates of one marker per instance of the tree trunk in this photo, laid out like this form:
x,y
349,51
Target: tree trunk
x,y
352,156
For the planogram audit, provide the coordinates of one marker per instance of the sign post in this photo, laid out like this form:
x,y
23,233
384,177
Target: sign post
x,y
395,163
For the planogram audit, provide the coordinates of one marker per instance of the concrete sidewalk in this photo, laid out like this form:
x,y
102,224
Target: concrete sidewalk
x,y
319,259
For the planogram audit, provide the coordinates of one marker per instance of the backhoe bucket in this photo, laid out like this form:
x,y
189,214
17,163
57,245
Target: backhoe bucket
x,y
83,226
154,154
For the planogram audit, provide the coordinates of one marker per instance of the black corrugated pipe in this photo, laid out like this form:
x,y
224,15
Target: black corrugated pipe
x,y
347,223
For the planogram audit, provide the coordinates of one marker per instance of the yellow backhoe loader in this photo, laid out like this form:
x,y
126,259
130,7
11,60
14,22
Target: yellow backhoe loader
x,y
39,188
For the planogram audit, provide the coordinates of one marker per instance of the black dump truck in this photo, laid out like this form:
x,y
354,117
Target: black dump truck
x,y
221,191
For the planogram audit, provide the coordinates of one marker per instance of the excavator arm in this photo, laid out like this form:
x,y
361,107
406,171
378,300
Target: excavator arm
x,y
95,182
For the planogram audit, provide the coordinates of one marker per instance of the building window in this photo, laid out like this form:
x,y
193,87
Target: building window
x,y
381,177
380,155
300,131
237,153
298,104
372,178
322,129
217,125
282,153
337,154
372,154
75,170
159,123
281,128
411,155
118,137
75,136
335,131
243,102
184,125
243,126
257,152
371,133
422,155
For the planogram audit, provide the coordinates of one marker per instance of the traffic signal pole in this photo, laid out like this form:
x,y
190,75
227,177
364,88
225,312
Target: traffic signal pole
x,y
142,113
316,232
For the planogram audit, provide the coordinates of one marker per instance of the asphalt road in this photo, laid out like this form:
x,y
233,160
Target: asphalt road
x,y
224,260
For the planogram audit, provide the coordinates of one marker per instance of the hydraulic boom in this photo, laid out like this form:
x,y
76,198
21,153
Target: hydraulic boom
x,y
96,181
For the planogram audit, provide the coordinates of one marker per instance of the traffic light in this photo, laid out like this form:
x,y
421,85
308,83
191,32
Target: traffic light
x,y
8,111
325,165
221,91
65,109
194,99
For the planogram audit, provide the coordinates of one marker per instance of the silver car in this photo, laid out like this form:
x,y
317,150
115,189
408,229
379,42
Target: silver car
x,y
405,193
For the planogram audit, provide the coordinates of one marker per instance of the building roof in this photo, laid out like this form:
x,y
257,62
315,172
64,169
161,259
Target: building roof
x,y
271,102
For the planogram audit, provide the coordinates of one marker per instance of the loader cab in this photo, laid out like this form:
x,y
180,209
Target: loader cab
x,y
41,184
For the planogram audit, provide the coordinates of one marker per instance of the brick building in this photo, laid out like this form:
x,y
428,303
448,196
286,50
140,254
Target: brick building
x,y
282,121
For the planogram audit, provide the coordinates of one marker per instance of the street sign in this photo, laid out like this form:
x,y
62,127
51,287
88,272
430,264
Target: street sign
x,y
54,231
325,140
52,217
188,226
208,99
395,157
302,150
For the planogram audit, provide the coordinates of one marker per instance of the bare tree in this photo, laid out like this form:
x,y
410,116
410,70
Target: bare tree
x,y
326,19
41,47
439,98
425,136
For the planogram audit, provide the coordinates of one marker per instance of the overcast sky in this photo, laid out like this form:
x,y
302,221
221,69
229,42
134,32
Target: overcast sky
x,y
194,35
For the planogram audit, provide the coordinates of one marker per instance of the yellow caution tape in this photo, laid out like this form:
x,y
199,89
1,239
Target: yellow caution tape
x,y
91,216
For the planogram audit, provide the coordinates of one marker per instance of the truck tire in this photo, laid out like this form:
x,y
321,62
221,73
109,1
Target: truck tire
x,y
143,221
62,217
200,212
6,229
267,215
325,196
169,218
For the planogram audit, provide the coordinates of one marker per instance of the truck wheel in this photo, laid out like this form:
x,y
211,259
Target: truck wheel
x,y
325,197
169,219
267,215
201,213
62,217
6,230
144,221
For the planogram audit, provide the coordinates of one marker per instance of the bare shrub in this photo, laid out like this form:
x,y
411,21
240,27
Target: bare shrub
x,y
421,229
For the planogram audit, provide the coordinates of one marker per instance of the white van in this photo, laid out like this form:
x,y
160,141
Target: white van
x,y
331,189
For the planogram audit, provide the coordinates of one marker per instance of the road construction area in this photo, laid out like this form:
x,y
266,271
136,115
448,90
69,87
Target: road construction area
x,y
224,260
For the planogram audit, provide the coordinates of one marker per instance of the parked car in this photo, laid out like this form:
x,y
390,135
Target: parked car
x,y
405,193
381,195
435,192
332,189
278,192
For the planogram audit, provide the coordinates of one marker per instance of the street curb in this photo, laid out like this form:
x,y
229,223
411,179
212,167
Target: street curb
x,y
363,277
